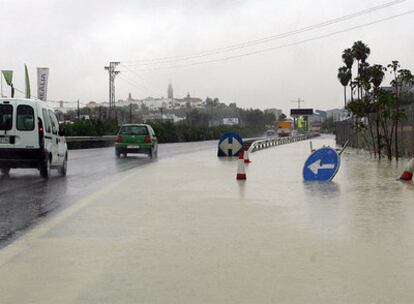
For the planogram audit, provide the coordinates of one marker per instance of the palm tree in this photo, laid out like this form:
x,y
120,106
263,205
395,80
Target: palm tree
x,y
361,52
348,58
344,77
365,76
376,77
394,66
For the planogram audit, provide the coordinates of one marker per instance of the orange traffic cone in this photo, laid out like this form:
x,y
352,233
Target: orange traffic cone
x,y
408,172
246,156
241,172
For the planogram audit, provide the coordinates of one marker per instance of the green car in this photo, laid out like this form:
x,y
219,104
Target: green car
x,y
136,138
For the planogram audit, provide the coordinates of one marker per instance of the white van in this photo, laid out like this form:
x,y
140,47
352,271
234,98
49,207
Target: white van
x,y
30,137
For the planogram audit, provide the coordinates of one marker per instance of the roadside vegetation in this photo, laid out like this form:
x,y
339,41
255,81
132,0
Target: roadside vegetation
x,y
376,109
197,125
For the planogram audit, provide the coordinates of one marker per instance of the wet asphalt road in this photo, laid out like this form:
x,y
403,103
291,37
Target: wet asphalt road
x,y
184,230
26,199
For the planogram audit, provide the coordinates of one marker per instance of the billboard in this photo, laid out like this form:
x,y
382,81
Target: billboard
x,y
42,80
230,121
301,112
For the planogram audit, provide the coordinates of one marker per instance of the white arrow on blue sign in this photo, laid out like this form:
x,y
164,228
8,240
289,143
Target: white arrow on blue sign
x,y
322,165
230,144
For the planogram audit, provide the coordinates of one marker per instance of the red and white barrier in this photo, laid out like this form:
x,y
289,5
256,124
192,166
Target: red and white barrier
x,y
246,156
408,172
241,172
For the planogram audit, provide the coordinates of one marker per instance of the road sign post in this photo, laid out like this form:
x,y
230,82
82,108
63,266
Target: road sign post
x,y
322,165
230,144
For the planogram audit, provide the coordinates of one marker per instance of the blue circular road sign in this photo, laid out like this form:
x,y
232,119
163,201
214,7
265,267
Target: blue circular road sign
x,y
322,165
230,144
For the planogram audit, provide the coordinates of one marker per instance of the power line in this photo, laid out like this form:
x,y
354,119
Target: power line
x,y
151,88
139,86
299,101
280,46
255,42
49,101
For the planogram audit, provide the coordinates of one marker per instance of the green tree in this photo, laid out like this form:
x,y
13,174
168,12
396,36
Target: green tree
x,y
361,53
376,75
402,78
348,58
344,76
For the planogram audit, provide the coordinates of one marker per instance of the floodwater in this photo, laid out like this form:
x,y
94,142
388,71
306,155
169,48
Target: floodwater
x,y
26,199
183,230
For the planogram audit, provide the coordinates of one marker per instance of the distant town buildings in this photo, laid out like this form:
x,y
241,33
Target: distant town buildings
x,y
169,103
337,114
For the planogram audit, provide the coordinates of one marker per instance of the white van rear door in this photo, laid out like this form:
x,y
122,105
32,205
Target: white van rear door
x,y
7,132
25,126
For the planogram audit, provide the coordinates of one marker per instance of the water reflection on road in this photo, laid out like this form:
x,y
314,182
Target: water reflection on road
x,y
26,198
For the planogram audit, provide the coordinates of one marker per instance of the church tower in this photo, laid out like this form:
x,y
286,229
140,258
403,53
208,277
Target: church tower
x,y
170,91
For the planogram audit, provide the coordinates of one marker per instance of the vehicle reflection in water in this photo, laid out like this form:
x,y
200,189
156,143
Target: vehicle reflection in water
x,y
24,198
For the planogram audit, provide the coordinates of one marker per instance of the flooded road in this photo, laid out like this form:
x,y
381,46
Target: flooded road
x,y
183,230
25,198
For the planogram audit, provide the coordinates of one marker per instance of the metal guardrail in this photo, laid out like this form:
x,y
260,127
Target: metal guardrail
x,y
254,144
71,139
88,142
277,141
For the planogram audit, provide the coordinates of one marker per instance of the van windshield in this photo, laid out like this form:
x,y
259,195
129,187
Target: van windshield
x,y
133,130
6,117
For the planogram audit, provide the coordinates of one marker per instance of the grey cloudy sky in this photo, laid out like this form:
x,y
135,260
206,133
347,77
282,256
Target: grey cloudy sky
x,y
76,39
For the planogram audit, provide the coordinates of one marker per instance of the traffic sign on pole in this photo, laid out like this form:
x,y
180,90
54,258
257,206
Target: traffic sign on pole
x,y
230,144
322,165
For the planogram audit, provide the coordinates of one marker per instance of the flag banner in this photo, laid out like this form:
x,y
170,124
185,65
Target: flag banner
x,y
8,76
42,80
26,76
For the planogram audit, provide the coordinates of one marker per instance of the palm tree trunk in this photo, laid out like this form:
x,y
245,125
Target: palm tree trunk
x,y
397,115
358,88
350,85
352,92
387,136
371,132
378,135
344,97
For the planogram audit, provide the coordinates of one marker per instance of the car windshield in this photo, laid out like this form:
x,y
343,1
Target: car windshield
x,y
6,115
133,130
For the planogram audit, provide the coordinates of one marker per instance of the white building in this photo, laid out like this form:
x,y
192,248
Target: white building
x,y
274,111
337,114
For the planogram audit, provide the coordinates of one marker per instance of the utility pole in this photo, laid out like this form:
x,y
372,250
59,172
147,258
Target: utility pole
x,y
295,119
1,81
112,73
130,112
299,101
78,111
